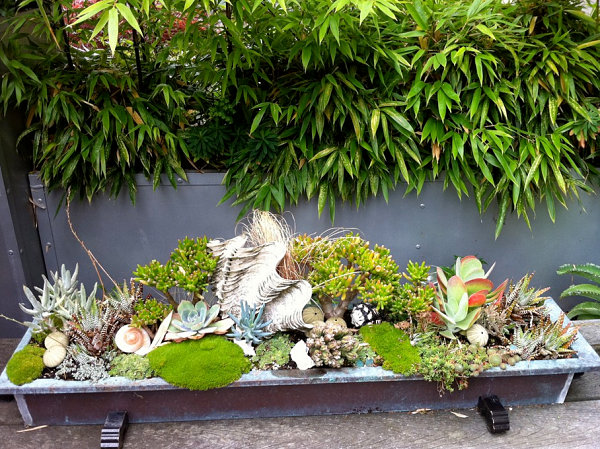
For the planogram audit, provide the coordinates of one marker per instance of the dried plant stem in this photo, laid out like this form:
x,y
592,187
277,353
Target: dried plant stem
x,y
93,259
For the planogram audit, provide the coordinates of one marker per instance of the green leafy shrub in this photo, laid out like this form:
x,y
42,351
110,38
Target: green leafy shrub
x,y
149,312
393,345
211,362
333,100
131,366
189,267
414,296
26,365
589,309
346,268
273,353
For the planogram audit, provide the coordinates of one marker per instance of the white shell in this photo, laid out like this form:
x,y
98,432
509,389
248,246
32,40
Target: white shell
x,y
54,356
250,274
132,339
56,338
477,335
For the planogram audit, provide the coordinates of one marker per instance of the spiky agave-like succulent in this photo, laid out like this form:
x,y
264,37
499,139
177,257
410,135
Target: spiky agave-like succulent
x,y
547,339
250,324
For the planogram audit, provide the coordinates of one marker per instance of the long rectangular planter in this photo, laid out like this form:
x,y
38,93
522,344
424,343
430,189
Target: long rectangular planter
x,y
293,392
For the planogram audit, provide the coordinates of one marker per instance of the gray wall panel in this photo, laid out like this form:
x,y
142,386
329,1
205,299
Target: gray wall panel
x,y
434,227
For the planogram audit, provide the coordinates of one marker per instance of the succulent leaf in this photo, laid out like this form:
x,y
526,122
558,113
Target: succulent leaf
x,y
479,284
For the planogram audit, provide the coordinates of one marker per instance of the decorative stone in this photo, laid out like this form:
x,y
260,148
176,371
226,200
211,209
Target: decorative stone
x,y
246,347
299,355
363,314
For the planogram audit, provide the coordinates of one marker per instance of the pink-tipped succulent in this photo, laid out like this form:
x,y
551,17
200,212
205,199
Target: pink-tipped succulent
x,y
459,299
470,270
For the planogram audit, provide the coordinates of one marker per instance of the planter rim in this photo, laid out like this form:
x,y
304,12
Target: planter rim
x,y
587,360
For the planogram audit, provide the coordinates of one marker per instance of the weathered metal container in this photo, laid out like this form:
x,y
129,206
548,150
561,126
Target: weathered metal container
x,y
293,392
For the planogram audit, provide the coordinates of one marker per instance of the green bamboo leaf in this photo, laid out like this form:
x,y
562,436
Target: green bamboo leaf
x,y
334,26
113,29
322,198
306,54
323,153
91,11
502,214
257,119
375,118
399,119
533,170
553,109
485,30
447,88
100,25
129,17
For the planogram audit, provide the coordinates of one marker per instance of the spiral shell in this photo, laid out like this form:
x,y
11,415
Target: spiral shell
x,y
56,338
54,355
132,339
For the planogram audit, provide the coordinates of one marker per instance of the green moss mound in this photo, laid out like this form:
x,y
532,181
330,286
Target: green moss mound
x,y
26,365
393,345
211,362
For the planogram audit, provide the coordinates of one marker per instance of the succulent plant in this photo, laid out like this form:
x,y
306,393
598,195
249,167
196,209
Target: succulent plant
x,y
273,353
189,267
346,268
58,300
250,324
459,299
330,344
480,289
193,318
547,339
149,312
452,306
414,296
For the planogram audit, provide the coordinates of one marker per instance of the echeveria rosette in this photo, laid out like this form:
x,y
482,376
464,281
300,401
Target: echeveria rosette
x,y
193,318
453,307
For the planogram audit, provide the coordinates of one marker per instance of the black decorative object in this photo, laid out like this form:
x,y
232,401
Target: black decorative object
x,y
364,314
494,413
113,432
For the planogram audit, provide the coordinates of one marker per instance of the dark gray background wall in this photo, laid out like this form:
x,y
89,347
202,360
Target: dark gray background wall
x,y
433,227
21,262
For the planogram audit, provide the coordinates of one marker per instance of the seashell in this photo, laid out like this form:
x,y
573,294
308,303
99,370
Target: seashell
x,y
477,335
54,355
311,314
337,320
132,339
56,338
251,274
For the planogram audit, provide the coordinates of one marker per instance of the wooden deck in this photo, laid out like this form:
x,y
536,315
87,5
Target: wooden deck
x,y
575,424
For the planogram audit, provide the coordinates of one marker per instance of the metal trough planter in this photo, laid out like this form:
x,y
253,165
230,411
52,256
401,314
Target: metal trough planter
x,y
292,392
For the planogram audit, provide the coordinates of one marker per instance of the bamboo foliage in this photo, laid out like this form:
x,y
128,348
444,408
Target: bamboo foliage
x,y
316,99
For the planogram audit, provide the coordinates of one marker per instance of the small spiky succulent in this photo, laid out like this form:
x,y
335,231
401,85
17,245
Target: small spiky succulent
x,y
547,339
330,344
273,353
58,300
250,324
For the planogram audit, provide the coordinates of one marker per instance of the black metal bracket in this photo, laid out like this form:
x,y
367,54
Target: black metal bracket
x,y
496,416
113,432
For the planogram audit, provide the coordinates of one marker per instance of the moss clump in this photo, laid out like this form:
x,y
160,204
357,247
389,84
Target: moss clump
x,y
211,362
131,366
26,365
393,345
